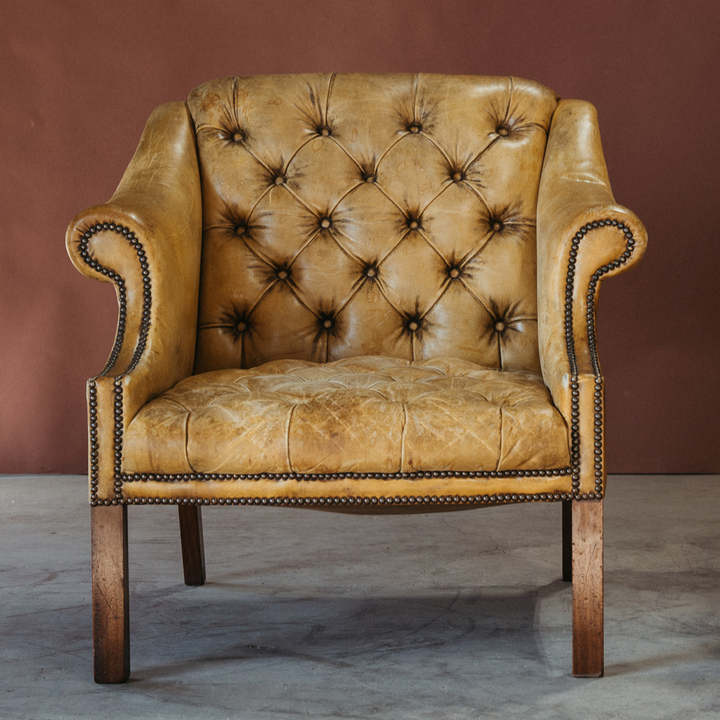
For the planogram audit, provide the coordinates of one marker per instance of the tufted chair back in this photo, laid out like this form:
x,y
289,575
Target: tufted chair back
x,y
369,215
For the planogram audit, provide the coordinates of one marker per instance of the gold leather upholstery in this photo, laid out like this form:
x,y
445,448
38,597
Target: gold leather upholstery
x,y
295,416
392,276
361,293
348,215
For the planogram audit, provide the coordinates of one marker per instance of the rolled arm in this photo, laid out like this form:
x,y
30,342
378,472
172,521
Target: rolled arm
x,y
146,240
583,237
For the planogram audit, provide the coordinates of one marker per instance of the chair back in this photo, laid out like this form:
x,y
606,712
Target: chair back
x,y
367,214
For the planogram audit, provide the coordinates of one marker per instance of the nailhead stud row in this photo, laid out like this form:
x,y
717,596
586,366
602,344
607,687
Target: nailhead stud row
x,y
122,292
89,260
304,477
570,342
353,501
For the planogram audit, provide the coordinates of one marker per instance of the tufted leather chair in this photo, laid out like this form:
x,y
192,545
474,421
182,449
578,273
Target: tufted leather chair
x,y
363,293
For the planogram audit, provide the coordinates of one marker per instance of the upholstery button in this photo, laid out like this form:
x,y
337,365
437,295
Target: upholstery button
x,y
325,223
413,224
327,324
324,131
241,327
458,176
240,229
283,274
414,128
413,326
454,272
238,137
500,326
371,272
279,180
497,226
370,178
503,131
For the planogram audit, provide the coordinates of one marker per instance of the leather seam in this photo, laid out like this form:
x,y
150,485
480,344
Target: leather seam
x,y
500,449
287,437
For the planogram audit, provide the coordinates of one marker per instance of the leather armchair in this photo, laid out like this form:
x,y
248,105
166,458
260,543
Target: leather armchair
x,y
361,293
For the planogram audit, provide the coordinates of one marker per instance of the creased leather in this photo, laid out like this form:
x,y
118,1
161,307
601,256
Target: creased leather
x,y
364,415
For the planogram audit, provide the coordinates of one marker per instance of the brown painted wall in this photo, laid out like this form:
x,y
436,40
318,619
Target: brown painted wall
x,y
80,77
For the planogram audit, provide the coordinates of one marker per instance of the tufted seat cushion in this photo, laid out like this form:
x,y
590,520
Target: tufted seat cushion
x,y
361,415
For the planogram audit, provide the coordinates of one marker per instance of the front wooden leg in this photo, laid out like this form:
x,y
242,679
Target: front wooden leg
x,y
110,596
567,540
191,539
587,588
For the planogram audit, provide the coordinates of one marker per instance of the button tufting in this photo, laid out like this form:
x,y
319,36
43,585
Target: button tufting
x,y
500,326
241,327
327,324
405,251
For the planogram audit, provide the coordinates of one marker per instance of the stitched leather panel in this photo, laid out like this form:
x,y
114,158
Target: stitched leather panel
x,y
368,414
369,214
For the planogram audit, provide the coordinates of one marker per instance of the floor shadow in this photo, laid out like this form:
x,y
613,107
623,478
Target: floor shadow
x,y
229,626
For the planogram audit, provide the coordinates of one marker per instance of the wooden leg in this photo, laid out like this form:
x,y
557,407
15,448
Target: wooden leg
x,y
567,540
111,621
191,539
587,588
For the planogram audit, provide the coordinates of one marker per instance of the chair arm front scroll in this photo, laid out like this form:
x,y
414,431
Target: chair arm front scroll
x,y
583,237
146,240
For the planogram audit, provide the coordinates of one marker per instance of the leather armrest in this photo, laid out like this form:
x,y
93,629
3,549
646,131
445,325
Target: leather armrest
x,y
583,236
146,240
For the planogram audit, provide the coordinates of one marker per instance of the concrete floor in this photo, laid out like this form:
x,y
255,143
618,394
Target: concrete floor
x,y
308,614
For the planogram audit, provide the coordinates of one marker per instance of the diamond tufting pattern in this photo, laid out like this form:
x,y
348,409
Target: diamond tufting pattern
x,y
391,217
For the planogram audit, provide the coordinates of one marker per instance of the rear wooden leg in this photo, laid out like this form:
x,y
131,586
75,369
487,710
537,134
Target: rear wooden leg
x,y
567,540
191,539
587,588
110,597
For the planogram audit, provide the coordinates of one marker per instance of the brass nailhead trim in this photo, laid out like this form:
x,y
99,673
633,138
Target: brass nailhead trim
x,y
310,477
122,293
351,501
92,404
137,354
570,342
